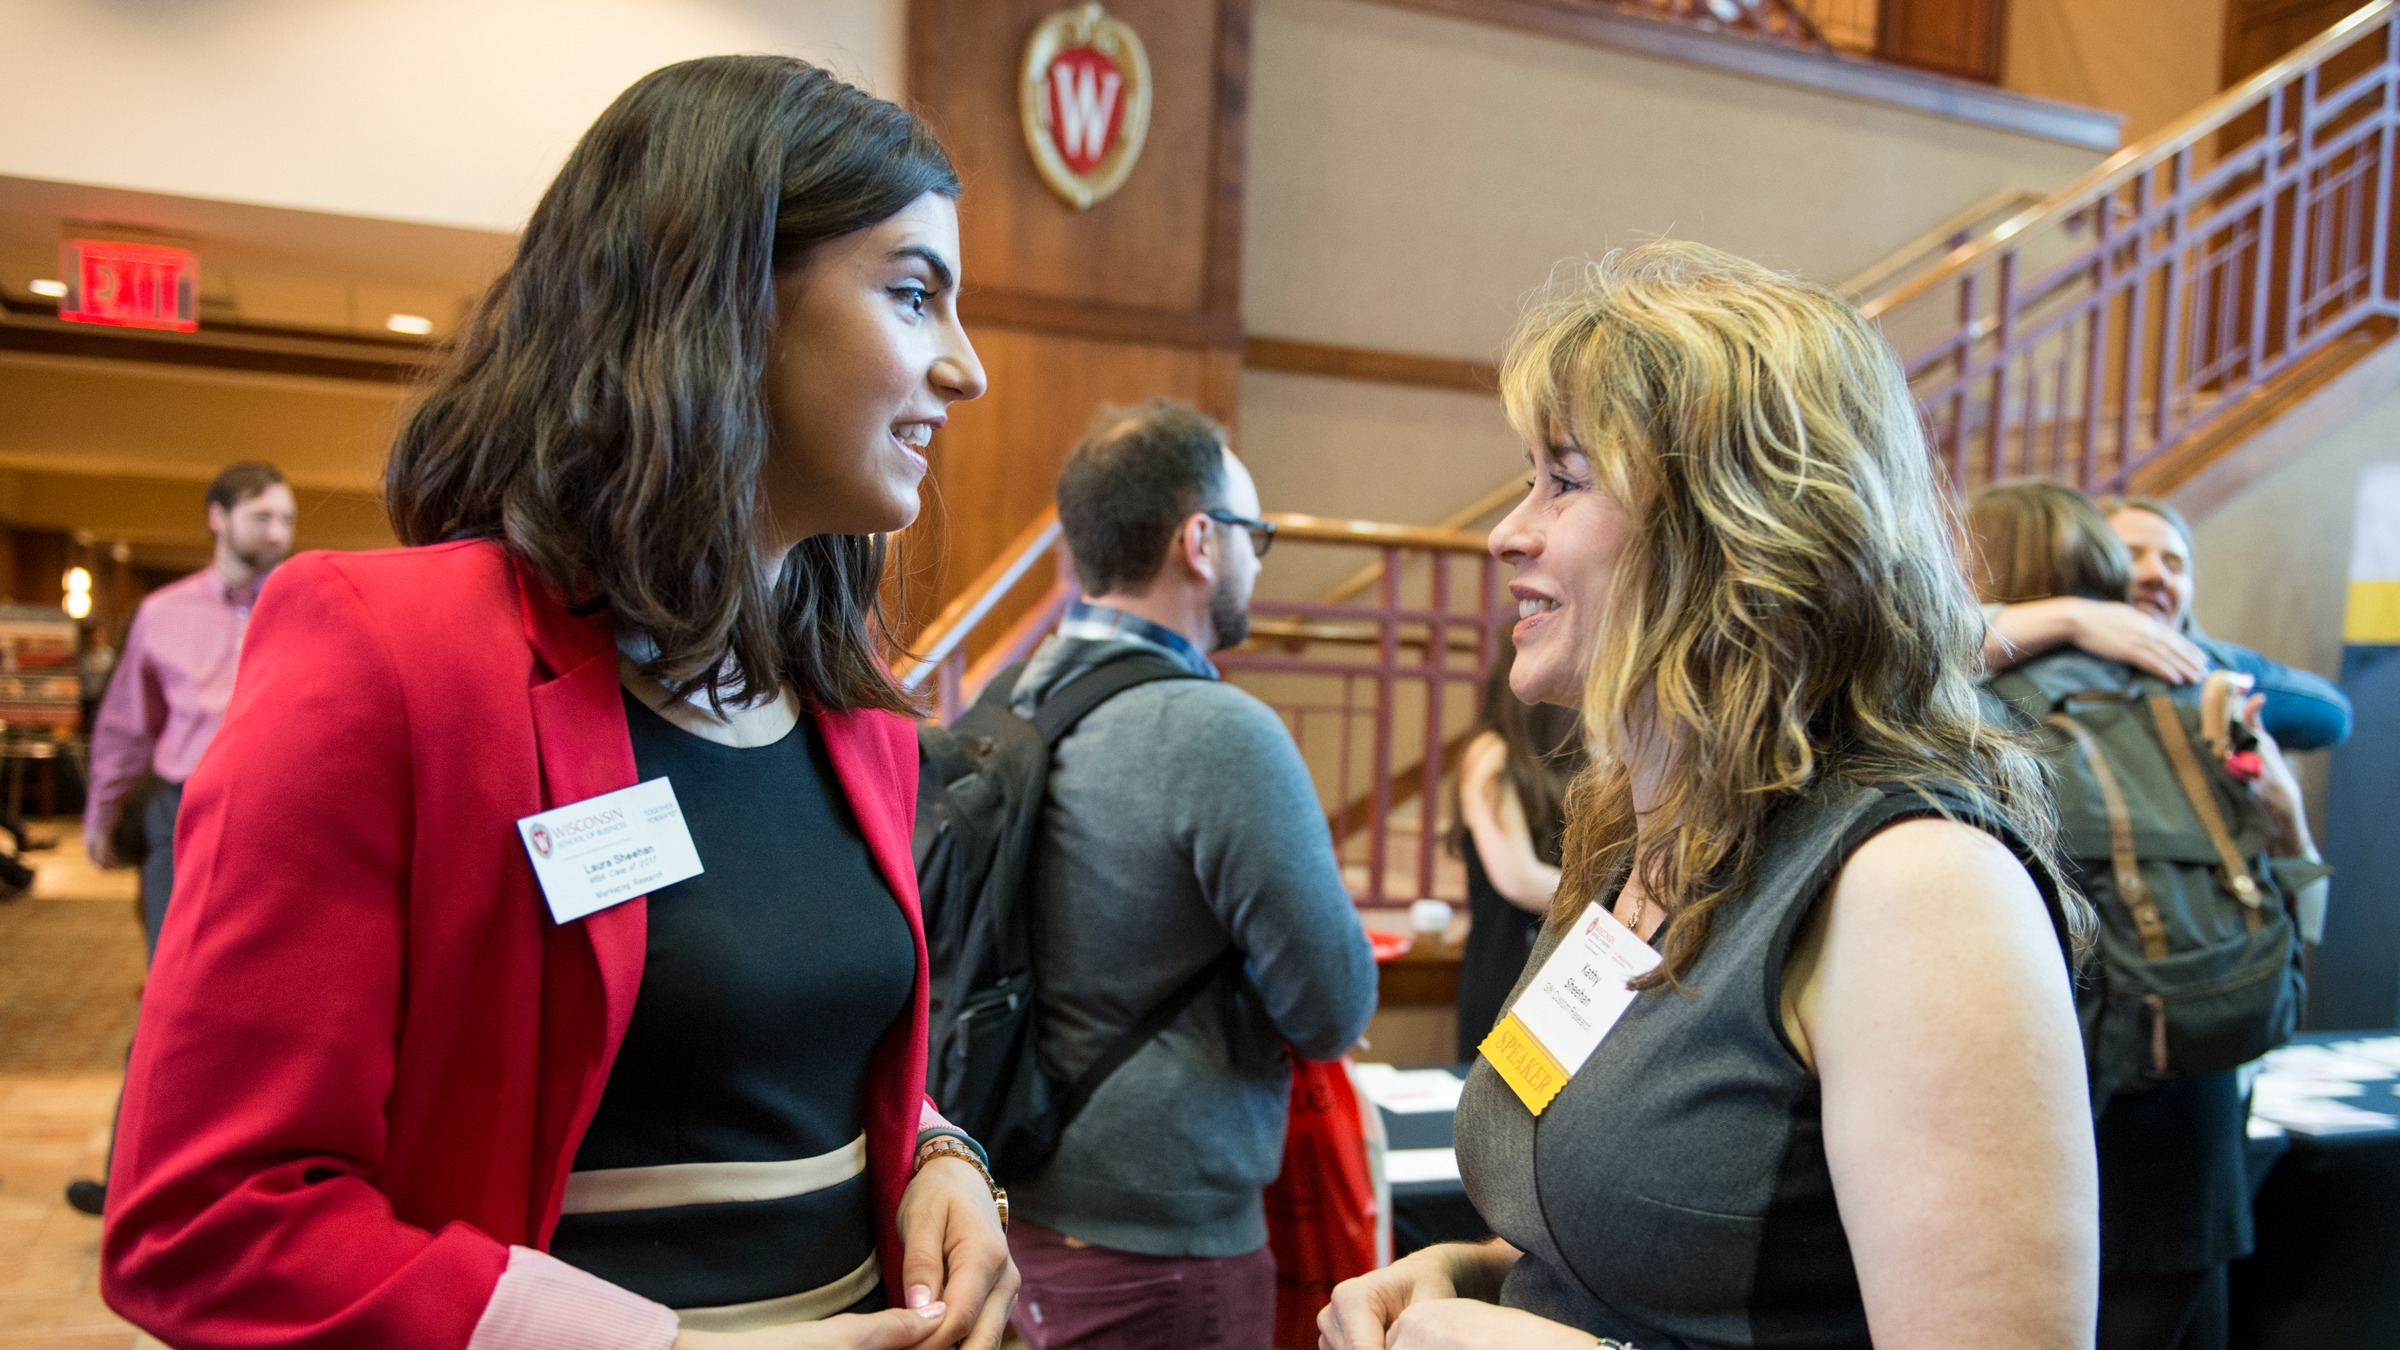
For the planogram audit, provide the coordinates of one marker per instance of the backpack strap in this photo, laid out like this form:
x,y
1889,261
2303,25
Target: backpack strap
x,y
2204,804
1142,1033
1068,704
2122,860
2217,702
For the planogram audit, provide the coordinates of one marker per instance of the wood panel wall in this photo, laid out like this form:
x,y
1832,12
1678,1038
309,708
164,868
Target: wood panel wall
x,y
1137,297
2257,32
1964,38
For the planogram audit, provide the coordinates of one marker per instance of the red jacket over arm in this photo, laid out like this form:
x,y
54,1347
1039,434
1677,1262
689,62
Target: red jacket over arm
x,y
366,1052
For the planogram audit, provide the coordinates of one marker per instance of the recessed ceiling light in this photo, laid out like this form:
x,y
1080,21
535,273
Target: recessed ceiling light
x,y
415,325
55,289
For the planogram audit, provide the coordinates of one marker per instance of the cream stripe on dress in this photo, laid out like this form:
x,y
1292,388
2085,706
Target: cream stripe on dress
x,y
809,1305
614,1189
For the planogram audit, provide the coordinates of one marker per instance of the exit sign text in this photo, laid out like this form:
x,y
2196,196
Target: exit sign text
x,y
130,285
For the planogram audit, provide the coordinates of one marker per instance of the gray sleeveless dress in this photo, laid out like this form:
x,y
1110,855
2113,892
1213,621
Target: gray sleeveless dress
x,y
1675,1193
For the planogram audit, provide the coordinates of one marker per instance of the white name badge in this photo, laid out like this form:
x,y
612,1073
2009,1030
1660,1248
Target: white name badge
x,y
605,850
1577,995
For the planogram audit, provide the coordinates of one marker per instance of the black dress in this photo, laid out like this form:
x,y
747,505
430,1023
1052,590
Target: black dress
x,y
1499,935
769,980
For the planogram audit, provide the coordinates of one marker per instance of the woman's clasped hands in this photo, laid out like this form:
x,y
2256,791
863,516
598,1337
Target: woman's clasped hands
x,y
1438,1299
958,1280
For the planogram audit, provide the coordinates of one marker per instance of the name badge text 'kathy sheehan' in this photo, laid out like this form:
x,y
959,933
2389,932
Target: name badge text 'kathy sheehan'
x,y
1578,994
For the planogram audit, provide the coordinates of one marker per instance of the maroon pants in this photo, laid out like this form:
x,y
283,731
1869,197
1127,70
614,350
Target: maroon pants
x,y
1079,1297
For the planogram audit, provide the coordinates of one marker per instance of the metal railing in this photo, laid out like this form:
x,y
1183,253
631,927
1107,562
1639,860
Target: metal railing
x,y
2106,334
1379,689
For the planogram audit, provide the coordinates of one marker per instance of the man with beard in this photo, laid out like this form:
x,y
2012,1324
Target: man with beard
x,y
168,693
170,687
1180,824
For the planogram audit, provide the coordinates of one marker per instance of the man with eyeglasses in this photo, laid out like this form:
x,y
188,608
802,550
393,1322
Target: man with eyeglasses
x,y
1182,834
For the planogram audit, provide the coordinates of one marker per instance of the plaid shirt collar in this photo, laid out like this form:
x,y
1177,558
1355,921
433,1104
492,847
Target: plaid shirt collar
x,y
1104,622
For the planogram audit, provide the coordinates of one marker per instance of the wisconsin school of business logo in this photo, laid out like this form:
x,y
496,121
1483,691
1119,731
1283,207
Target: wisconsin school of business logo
x,y
1084,103
541,840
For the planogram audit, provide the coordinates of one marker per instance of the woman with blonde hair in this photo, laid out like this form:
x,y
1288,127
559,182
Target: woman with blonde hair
x,y
1844,1102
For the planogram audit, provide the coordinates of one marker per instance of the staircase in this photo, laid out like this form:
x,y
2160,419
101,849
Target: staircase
x,y
2126,331
2121,334
1378,680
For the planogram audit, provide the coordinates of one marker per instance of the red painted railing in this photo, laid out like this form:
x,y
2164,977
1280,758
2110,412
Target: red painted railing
x,y
2114,332
1378,686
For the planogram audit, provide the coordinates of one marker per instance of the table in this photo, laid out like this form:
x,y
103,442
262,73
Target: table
x,y
1435,1209
2328,1209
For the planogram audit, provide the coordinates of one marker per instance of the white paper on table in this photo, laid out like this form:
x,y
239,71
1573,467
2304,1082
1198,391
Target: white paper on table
x,y
2384,1050
2302,1116
1404,1165
1410,1091
2286,1086
2320,1061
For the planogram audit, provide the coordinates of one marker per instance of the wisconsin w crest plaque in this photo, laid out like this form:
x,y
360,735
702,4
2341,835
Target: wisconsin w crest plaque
x,y
1084,103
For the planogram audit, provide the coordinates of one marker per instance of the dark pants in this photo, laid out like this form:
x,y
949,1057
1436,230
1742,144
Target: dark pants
x,y
1095,1298
158,867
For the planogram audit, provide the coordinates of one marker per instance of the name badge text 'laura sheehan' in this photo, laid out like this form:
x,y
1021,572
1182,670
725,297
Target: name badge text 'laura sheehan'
x,y
605,850
1578,994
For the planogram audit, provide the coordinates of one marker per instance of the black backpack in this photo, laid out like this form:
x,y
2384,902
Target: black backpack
x,y
2198,965
980,792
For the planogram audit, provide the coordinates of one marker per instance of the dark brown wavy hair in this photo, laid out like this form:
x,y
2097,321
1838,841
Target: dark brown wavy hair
x,y
602,414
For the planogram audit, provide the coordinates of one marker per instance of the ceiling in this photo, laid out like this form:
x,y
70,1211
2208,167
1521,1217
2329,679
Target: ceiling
x,y
114,435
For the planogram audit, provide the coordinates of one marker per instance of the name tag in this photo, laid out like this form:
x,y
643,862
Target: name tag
x,y
1577,995
605,850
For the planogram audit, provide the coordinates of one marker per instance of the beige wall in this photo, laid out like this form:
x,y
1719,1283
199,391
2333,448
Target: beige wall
x,y
2152,60
2274,562
450,111
1413,177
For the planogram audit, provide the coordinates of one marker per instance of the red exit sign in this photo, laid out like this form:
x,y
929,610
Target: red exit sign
x,y
130,285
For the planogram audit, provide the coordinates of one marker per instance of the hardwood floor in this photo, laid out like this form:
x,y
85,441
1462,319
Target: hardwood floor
x,y
53,1128
70,972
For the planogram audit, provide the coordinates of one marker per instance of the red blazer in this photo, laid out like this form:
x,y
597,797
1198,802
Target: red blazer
x,y
366,1053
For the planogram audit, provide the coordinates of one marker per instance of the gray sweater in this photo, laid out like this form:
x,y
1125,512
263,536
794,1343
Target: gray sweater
x,y
1181,819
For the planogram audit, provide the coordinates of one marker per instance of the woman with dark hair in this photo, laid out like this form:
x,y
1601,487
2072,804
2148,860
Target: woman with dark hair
x,y
1512,790
411,1074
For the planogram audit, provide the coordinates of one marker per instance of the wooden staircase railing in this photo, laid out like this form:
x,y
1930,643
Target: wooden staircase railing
x,y
1379,689
2112,334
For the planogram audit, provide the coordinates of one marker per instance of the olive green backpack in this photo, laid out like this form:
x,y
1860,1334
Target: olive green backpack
x,y
2198,966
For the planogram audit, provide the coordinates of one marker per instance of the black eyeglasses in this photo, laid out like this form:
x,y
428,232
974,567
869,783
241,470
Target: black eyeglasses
x,y
1262,532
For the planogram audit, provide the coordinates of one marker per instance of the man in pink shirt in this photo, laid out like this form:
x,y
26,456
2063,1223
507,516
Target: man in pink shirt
x,y
169,691
170,687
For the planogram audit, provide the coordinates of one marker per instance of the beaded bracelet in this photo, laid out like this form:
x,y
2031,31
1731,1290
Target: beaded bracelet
x,y
951,1146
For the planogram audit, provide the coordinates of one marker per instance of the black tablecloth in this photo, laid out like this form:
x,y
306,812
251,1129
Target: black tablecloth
x,y
2326,1274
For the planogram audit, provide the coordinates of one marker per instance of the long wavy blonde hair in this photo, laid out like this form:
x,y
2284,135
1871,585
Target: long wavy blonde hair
x,y
1790,603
